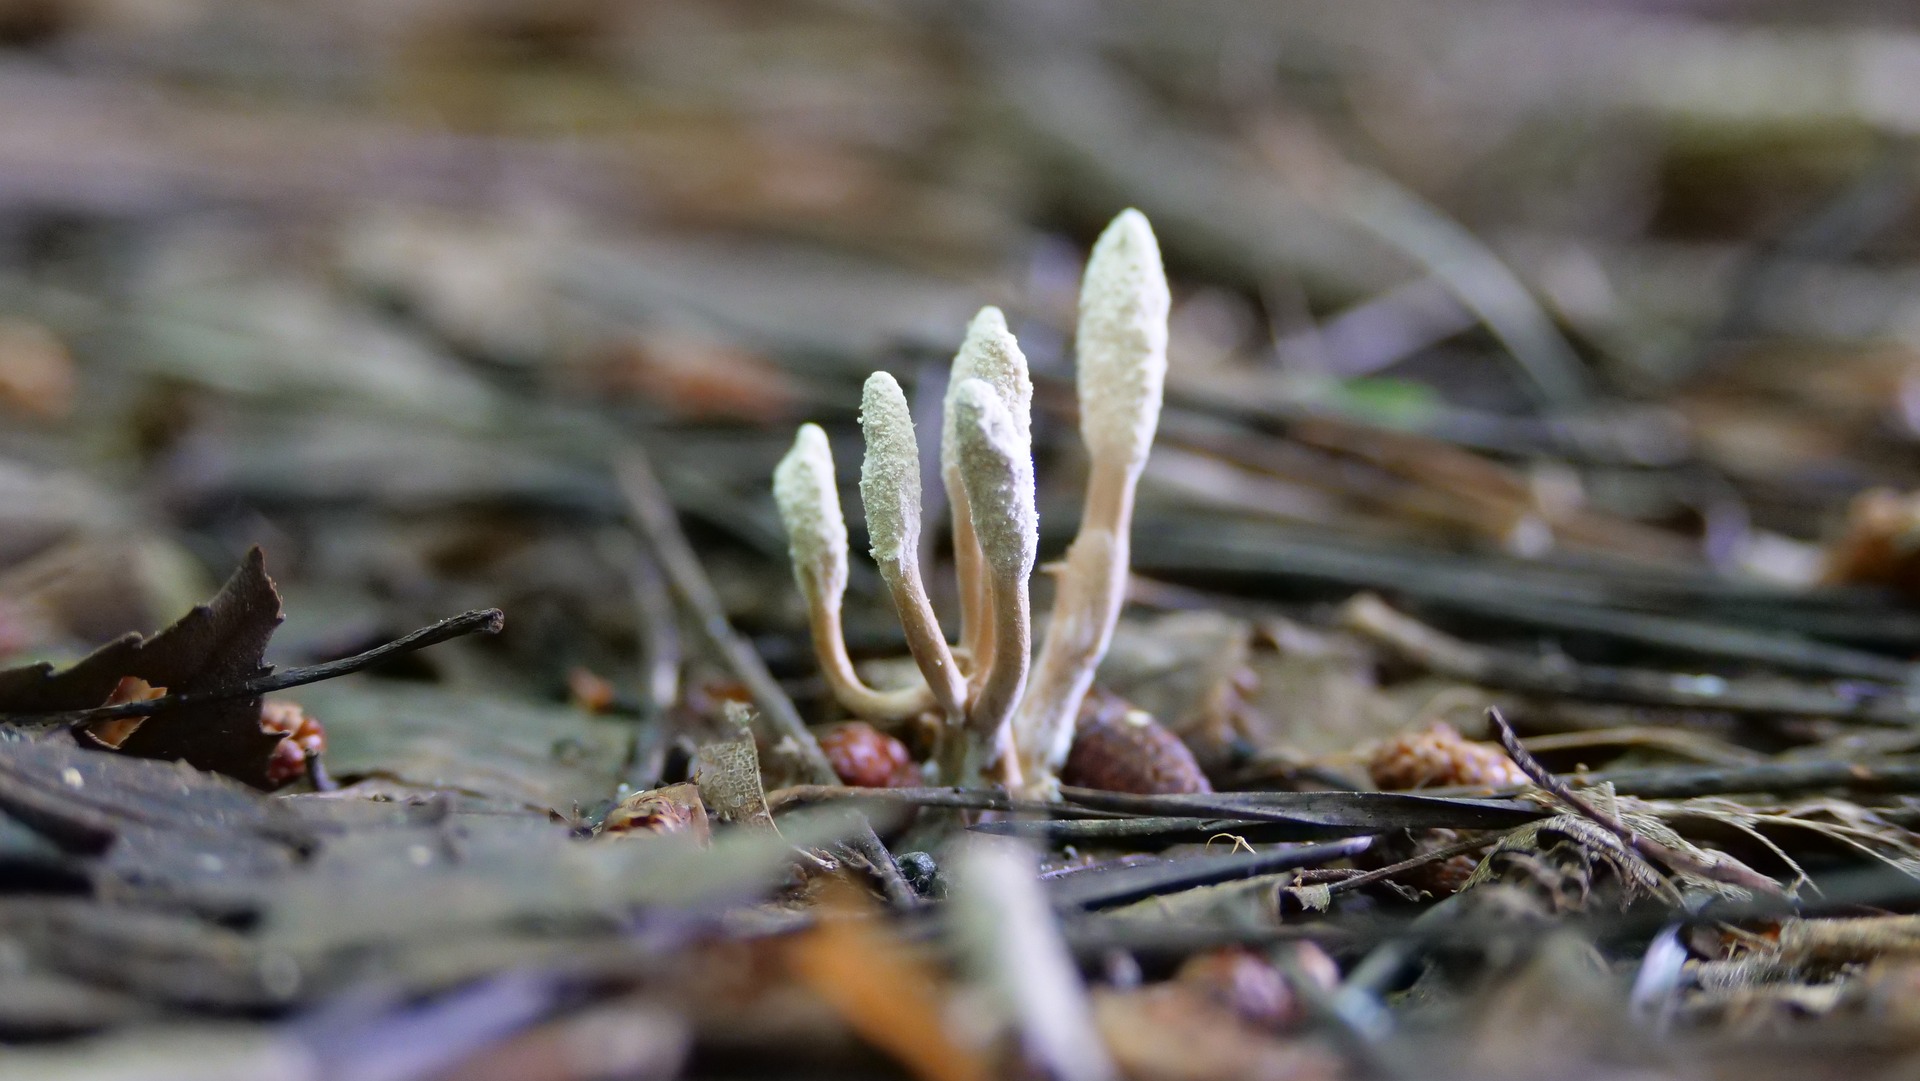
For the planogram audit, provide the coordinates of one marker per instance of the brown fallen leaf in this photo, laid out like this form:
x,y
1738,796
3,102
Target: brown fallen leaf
x,y
1878,547
676,808
216,645
880,988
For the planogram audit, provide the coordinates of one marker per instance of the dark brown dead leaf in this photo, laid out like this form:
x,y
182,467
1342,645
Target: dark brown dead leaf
x,y
216,645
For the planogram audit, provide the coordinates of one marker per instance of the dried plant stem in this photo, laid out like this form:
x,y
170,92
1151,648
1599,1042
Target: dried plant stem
x,y
976,799
659,527
1458,848
1645,847
1422,644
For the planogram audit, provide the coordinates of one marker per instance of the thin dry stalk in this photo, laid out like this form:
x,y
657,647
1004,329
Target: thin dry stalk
x,y
654,518
1732,874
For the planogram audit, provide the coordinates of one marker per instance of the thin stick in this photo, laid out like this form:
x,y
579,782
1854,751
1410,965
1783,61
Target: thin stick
x,y
658,671
659,526
973,799
1647,848
659,684
481,620
1418,642
1685,782
893,883
1459,848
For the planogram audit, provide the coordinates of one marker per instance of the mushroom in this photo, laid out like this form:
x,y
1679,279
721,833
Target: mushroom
x,y
988,352
1121,350
890,491
803,486
996,472
1012,717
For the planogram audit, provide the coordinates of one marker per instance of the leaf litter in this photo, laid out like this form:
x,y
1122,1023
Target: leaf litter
x,y
1605,429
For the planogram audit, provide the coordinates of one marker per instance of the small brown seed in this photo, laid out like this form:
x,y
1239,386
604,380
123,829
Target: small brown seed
x,y
1120,749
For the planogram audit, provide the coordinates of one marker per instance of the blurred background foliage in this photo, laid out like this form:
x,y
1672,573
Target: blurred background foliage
x,y
383,283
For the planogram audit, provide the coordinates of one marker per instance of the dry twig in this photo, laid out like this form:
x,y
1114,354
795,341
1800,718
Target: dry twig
x,y
1730,873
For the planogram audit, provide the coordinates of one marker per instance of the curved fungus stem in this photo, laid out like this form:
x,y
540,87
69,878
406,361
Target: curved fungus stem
x,y
803,486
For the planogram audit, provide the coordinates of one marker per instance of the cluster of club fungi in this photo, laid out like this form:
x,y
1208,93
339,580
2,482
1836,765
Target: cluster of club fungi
x,y
1007,716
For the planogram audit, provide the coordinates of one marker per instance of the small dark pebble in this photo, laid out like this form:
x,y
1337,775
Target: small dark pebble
x,y
923,875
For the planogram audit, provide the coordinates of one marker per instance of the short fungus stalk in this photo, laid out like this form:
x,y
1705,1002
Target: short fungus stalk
x,y
1121,349
890,491
803,486
996,471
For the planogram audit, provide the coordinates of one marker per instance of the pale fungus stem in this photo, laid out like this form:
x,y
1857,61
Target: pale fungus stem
x,y
996,470
1121,351
990,353
976,624
803,486
890,490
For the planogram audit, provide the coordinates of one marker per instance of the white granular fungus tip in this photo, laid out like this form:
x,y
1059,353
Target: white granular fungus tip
x,y
990,352
803,487
1122,340
997,471
890,475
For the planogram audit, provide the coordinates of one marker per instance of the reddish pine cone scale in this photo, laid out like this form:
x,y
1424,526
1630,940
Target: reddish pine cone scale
x,y
866,757
1126,750
306,740
1439,756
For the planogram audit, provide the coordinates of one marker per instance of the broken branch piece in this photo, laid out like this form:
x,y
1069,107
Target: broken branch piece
x,y
803,486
